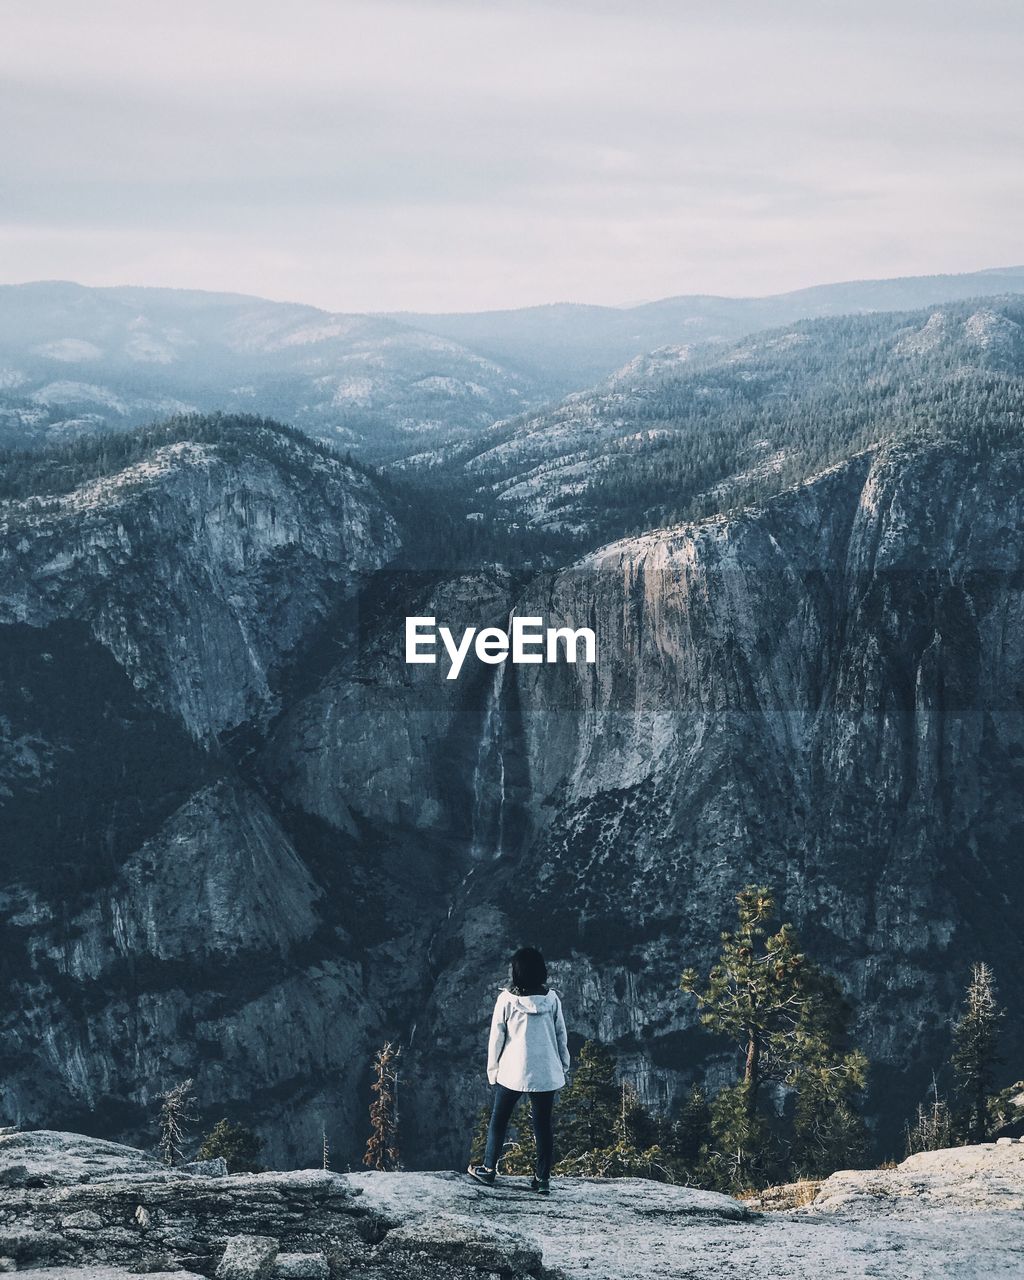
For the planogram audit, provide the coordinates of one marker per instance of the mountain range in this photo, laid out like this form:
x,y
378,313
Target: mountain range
x,y
76,360
244,841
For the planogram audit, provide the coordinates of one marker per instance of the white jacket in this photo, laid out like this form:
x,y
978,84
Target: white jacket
x,y
528,1050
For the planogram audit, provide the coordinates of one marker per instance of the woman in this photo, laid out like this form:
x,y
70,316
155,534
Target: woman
x,y
527,1053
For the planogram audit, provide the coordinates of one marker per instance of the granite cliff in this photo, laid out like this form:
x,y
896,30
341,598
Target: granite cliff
x,y
821,694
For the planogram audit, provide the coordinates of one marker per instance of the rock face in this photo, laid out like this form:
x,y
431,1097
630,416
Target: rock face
x,y
821,695
156,913
247,1258
952,1213
128,1212
90,1205
199,571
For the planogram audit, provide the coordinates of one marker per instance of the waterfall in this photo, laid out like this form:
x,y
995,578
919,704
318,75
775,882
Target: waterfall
x,y
488,819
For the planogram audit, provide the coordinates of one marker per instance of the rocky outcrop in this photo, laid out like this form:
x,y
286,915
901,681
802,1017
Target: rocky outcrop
x,y
93,1211
72,1202
219,879
212,947
198,568
158,918
985,1178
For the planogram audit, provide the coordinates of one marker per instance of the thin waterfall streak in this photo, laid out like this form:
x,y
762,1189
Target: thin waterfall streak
x,y
500,746
488,822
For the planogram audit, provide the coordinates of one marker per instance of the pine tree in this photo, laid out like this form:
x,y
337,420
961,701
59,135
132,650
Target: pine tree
x,y
829,1132
589,1105
789,1021
742,1155
687,1139
239,1147
175,1117
755,992
976,1049
604,1130
636,1153
382,1145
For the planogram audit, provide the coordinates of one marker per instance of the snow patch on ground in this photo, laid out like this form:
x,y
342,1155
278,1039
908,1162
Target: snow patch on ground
x,y
67,392
69,350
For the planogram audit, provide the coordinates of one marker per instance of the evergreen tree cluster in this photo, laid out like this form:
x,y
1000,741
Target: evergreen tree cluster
x,y
973,1113
728,430
791,1114
790,1024
42,474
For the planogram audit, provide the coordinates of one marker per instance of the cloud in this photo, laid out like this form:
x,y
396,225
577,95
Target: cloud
x,y
407,153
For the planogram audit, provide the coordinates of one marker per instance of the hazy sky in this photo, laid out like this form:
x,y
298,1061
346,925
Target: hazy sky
x,y
477,153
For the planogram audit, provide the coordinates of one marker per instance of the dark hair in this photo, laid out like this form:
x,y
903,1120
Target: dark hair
x,y
529,973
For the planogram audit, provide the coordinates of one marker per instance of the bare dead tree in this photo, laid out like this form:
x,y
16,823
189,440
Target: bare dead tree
x,y
382,1147
176,1115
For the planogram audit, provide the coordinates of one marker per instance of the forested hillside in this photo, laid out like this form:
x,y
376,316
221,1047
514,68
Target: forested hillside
x,y
685,434
568,346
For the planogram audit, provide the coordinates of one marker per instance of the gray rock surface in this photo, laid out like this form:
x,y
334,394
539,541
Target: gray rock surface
x,y
187,580
216,1168
50,1156
300,1225
301,1266
247,1258
106,1273
198,570
630,1229
448,1237
952,1214
988,1177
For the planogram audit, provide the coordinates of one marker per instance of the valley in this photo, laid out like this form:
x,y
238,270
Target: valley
x,y
245,840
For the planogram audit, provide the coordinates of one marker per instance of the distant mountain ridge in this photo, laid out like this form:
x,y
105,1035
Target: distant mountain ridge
x,y
76,360
571,345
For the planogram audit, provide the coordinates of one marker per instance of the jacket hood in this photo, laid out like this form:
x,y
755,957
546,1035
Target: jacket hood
x,y
536,1004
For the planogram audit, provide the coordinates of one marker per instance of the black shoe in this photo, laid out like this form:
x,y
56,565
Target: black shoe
x,y
541,1185
486,1176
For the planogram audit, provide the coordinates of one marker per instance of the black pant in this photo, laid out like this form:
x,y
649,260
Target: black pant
x,y
543,1130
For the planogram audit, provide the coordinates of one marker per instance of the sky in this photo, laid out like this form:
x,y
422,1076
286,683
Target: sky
x,y
444,155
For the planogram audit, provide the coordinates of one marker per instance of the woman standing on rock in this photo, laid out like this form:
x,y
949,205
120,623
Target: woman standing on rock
x,y
527,1053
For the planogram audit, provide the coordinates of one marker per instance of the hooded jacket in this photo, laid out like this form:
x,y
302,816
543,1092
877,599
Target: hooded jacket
x,y
528,1050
